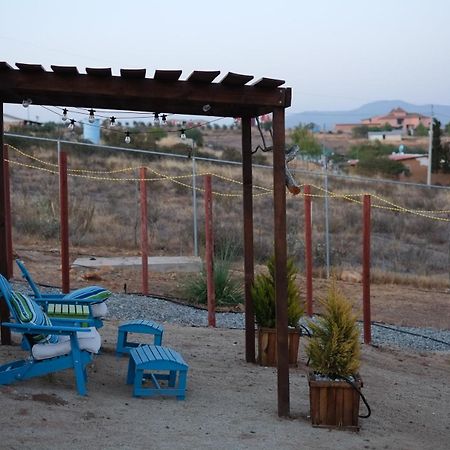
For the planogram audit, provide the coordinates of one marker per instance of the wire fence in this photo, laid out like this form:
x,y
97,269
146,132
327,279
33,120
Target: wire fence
x,y
410,231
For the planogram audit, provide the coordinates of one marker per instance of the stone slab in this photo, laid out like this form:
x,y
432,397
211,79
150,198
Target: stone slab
x,y
155,263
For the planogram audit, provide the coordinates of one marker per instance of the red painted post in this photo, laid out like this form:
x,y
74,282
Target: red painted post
x,y
144,231
64,221
209,253
366,270
308,251
5,333
8,221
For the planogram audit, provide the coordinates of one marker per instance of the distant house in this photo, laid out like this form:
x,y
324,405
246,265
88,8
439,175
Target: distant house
x,y
397,119
388,136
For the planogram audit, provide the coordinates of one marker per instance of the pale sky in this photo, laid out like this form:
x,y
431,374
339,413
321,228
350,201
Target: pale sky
x,y
335,54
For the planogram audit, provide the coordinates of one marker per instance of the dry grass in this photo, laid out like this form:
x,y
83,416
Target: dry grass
x,y
103,213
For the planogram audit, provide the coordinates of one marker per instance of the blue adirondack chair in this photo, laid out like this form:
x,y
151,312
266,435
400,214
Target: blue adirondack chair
x,y
88,302
53,347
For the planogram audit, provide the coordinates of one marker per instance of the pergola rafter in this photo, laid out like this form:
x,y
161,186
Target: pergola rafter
x,y
232,96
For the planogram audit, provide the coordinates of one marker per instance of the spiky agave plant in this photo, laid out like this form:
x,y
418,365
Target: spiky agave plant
x,y
334,348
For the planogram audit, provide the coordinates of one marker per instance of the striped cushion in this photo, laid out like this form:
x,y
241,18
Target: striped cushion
x,y
27,311
95,293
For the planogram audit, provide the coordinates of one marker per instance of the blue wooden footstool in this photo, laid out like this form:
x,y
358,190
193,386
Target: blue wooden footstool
x,y
137,326
157,364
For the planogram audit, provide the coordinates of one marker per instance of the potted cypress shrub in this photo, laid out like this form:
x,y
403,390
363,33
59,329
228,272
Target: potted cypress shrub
x,y
263,294
334,353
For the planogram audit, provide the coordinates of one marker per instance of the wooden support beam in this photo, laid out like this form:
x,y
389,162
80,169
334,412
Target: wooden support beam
x,y
8,218
279,200
5,333
64,220
248,238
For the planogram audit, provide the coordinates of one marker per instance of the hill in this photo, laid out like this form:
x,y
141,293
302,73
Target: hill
x,y
327,119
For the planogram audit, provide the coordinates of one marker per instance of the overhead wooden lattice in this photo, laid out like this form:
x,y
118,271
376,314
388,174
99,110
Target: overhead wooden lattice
x,y
166,92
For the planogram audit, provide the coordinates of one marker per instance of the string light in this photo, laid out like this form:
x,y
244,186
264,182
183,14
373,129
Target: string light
x,y
71,125
91,115
156,120
164,119
127,137
64,116
112,121
26,102
206,108
183,134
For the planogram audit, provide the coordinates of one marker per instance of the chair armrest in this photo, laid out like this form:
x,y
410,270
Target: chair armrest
x,y
35,329
67,301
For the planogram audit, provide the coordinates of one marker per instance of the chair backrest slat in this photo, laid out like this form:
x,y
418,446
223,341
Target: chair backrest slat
x,y
27,276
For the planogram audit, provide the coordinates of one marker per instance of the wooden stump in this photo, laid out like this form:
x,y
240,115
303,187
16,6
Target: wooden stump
x,y
334,404
267,346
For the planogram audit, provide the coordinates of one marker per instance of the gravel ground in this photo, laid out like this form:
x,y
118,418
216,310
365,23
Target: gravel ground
x,y
127,307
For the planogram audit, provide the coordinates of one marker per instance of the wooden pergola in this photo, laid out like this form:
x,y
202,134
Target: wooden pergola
x,y
232,96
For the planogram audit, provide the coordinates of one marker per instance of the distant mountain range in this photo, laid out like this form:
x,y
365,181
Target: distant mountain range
x,y
327,119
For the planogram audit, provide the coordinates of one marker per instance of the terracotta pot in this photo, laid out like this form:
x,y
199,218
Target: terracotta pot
x,y
334,404
267,346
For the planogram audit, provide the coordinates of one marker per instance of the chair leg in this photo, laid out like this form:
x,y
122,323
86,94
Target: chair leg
x,y
79,370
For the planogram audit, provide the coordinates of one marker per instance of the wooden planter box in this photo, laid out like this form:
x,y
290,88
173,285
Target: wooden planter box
x,y
334,404
267,346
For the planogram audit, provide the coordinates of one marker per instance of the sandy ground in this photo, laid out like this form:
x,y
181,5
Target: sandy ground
x,y
230,404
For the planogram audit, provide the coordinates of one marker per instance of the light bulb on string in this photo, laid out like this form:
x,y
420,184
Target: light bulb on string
x,y
112,121
164,119
156,120
127,137
206,107
64,116
183,134
26,102
91,115
71,125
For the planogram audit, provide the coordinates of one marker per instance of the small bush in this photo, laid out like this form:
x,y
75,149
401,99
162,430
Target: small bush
x,y
263,294
228,290
334,348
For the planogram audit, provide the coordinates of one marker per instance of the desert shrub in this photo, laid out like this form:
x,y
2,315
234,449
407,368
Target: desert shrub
x,y
228,290
41,219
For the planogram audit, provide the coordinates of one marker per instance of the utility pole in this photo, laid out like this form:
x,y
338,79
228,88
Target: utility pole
x,y
430,149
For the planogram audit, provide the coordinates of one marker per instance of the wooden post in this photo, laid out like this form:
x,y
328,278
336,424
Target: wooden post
x,y
248,238
8,220
279,200
64,220
366,270
209,253
144,230
5,333
308,251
